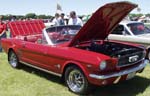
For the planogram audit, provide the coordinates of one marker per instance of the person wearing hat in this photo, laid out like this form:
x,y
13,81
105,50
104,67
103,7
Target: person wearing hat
x,y
62,20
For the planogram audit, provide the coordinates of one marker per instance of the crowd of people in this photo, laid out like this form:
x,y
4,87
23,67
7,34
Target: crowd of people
x,y
73,20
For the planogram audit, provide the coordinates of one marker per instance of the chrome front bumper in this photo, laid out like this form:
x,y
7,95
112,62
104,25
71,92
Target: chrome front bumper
x,y
116,74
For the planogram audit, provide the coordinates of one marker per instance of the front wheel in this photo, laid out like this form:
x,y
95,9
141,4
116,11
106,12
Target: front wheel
x,y
13,59
76,80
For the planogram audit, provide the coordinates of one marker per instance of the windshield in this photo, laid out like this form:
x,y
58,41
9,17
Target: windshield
x,y
138,28
61,34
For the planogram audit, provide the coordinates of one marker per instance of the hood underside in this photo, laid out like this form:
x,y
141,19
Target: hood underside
x,y
103,21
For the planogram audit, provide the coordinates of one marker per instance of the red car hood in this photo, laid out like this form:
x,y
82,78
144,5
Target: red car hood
x,y
103,21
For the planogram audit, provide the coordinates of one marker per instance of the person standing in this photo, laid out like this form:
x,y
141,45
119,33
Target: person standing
x,y
56,20
2,31
62,20
74,20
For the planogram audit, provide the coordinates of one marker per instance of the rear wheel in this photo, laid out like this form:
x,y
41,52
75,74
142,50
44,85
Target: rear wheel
x,y
76,80
13,59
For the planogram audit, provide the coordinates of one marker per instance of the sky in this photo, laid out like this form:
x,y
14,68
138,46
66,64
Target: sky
x,y
48,7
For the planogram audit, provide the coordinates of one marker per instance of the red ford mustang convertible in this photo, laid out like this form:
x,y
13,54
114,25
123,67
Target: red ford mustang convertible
x,y
82,56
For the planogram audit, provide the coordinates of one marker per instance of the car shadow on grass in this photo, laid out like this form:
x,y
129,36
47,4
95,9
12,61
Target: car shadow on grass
x,y
42,74
131,87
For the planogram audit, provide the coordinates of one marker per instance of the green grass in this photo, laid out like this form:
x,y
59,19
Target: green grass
x,y
31,82
28,82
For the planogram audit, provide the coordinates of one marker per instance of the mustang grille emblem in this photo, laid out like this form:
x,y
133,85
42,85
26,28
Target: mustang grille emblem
x,y
133,58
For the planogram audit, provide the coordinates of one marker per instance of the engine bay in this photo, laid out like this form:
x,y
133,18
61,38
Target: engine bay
x,y
112,49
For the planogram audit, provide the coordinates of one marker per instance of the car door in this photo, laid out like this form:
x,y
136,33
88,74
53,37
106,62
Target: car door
x,y
35,54
41,55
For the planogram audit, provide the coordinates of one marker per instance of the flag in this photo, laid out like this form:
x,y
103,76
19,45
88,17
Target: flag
x,y
58,9
139,9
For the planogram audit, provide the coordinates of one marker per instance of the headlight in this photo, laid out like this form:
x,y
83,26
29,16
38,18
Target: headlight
x,y
103,65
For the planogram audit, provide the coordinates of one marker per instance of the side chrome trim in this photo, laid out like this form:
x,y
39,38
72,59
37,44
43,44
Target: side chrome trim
x,y
41,69
116,74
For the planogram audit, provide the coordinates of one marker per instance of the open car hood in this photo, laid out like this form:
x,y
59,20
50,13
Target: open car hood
x,y
102,22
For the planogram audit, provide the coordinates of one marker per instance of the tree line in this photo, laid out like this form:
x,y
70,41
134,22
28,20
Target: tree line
x,y
29,15
139,15
43,16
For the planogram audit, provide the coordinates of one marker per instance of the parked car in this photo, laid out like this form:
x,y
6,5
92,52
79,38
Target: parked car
x,y
83,59
133,31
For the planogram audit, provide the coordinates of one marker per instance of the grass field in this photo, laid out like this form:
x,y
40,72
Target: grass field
x,y
31,82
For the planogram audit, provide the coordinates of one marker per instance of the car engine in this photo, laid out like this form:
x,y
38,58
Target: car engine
x,y
126,54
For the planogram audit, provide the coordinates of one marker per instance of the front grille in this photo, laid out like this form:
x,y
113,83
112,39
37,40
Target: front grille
x,y
130,59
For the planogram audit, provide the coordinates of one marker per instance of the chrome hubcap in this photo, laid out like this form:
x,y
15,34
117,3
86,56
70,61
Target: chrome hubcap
x,y
13,59
76,81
